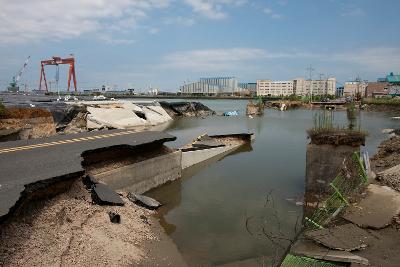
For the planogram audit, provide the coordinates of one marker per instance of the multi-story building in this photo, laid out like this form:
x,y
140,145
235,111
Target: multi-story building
x,y
375,89
200,88
228,85
339,91
314,87
352,88
274,88
298,86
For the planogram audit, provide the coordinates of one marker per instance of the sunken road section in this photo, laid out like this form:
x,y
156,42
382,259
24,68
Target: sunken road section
x,y
29,166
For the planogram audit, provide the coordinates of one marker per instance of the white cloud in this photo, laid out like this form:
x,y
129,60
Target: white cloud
x,y
35,20
112,40
179,21
208,8
378,59
212,9
271,13
211,59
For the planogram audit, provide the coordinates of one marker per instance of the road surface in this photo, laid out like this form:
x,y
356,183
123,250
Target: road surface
x,y
36,160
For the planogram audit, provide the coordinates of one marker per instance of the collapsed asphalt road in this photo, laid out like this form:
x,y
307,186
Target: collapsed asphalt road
x,y
29,165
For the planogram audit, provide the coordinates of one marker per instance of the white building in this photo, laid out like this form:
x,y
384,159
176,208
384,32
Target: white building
x,y
298,86
274,88
304,87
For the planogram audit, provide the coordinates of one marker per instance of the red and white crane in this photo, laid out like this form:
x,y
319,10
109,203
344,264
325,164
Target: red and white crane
x,y
58,61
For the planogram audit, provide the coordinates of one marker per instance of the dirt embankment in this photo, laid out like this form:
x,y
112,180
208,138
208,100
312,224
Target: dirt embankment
x,y
388,154
288,104
69,230
26,123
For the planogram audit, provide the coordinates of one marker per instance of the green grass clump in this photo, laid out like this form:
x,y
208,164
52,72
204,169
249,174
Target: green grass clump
x,y
382,101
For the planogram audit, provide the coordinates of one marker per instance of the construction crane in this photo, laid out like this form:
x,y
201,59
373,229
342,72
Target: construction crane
x,y
58,61
13,87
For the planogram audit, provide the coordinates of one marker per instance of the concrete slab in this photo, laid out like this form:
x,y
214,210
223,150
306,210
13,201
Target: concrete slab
x,y
208,143
190,158
346,237
377,209
311,249
104,195
117,118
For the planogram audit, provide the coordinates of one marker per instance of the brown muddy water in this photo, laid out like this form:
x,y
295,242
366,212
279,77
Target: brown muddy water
x,y
217,214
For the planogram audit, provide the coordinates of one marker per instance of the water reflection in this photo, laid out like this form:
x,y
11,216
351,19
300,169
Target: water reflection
x,y
207,212
170,193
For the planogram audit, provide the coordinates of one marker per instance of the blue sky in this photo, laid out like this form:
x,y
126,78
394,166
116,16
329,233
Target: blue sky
x,y
162,43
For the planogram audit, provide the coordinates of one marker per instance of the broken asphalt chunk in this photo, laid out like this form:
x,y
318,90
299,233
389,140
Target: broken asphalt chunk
x,y
144,201
104,195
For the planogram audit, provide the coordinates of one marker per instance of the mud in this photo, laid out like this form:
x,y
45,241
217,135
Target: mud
x,y
337,138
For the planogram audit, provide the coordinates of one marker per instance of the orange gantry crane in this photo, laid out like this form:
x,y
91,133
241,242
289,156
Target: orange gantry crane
x,y
58,61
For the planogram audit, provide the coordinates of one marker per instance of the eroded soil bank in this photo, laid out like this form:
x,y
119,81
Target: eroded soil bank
x,y
70,230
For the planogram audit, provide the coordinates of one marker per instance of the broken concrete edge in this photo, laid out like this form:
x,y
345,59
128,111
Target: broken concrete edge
x,y
346,237
245,137
41,190
103,149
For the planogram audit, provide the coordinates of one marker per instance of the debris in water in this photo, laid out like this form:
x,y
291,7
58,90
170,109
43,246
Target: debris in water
x,y
231,113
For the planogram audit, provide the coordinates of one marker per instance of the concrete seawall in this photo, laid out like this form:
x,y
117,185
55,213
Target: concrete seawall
x,y
145,175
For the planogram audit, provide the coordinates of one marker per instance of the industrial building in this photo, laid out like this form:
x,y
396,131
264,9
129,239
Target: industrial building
x,y
298,86
212,86
200,88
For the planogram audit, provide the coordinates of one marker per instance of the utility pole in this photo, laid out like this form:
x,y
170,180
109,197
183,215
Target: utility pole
x,y
310,69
